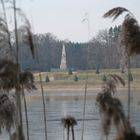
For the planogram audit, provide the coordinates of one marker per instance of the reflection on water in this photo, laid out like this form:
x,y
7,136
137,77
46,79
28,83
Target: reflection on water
x,y
68,103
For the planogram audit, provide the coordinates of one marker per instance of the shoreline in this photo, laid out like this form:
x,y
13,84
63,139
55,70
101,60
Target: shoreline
x,y
71,87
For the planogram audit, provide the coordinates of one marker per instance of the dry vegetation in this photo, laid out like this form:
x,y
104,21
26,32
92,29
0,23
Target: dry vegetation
x,y
112,112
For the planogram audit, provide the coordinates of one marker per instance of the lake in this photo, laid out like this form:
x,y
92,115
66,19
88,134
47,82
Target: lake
x,y
62,103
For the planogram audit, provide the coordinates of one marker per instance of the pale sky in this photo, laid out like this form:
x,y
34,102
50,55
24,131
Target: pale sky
x,y
63,17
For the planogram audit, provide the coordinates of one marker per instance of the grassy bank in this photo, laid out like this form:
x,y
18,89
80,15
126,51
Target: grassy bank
x,y
64,80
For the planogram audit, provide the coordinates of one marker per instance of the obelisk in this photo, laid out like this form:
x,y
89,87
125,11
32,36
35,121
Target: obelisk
x,y
63,64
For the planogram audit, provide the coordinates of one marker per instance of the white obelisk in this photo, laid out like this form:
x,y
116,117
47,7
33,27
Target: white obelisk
x,y
63,64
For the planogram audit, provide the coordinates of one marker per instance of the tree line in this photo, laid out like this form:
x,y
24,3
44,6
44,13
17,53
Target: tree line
x,y
102,51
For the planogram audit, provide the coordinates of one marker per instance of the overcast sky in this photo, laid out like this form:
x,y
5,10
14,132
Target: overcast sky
x,y
63,17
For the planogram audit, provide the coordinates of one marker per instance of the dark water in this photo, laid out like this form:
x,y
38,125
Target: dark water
x,y
69,103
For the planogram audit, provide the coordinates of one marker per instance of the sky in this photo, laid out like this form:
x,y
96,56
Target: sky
x,y
63,17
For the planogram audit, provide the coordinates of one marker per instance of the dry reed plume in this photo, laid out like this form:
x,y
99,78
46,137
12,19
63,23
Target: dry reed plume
x,y
69,122
112,112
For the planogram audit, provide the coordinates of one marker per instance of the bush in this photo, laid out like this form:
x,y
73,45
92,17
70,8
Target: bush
x,y
130,77
122,70
76,78
70,72
97,69
104,78
47,79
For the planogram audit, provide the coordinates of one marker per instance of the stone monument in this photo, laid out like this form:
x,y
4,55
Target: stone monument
x,y
63,64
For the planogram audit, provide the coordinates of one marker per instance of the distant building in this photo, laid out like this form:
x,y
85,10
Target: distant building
x,y
63,64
